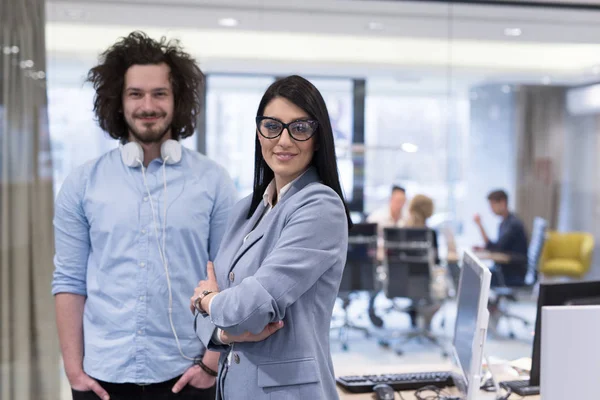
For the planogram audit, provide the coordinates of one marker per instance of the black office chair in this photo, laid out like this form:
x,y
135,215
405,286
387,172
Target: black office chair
x,y
506,294
359,273
409,257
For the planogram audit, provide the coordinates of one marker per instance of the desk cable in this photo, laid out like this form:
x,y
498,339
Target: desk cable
x,y
436,393
491,384
431,393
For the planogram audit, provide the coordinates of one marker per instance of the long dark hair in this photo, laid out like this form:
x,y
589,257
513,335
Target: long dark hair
x,y
306,96
108,79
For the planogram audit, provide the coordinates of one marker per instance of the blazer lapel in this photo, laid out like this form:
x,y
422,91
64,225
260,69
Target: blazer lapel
x,y
254,235
246,230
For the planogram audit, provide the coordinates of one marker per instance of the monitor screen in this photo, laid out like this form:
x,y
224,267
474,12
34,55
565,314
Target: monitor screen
x,y
471,324
466,317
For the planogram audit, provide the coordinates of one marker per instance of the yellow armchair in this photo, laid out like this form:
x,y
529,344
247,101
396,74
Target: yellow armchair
x,y
567,254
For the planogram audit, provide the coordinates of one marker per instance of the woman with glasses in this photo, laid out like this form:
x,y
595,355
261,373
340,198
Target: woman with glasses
x,y
267,301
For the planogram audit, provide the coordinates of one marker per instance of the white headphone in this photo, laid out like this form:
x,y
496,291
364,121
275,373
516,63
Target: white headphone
x,y
132,153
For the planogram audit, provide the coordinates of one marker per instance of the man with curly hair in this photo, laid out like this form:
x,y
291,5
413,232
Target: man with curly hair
x,y
134,230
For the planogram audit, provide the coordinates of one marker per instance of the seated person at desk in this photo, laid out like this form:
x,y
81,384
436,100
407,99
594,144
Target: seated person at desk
x,y
512,240
390,216
420,209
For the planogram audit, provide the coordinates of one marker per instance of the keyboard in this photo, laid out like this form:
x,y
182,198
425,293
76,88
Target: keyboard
x,y
522,388
408,381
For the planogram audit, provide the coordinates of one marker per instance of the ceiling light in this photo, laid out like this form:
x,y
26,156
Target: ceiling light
x,y
409,147
546,80
228,22
375,26
514,32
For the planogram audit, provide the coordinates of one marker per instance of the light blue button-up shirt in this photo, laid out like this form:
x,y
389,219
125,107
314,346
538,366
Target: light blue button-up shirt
x,y
106,249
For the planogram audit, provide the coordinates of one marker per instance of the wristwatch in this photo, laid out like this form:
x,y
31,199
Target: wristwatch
x,y
198,302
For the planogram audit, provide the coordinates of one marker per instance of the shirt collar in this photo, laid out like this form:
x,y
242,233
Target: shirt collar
x,y
271,191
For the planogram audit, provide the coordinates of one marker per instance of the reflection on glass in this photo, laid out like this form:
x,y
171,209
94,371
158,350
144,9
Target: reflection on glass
x,y
407,137
231,107
338,95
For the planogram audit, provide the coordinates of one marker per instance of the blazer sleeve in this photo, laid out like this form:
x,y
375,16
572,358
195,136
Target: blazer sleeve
x,y
205,330
313,240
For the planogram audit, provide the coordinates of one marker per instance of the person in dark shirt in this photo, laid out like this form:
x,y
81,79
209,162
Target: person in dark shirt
x,y
512,240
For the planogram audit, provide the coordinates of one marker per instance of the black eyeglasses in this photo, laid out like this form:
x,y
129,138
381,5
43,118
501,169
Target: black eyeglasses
x,y
271,128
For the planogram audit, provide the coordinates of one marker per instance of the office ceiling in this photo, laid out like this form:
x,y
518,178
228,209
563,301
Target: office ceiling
x,y
348,37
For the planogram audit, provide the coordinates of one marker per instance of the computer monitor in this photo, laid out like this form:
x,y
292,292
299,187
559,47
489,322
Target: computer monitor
x,y
559,294
570,356
471,325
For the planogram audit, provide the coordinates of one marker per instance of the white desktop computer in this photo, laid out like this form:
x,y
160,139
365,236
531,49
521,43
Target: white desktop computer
x,y
570,356
471,325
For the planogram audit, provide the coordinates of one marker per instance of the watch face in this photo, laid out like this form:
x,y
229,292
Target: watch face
x,y
206,292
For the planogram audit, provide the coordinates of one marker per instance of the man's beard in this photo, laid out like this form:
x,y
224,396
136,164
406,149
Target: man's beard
x,y
154,134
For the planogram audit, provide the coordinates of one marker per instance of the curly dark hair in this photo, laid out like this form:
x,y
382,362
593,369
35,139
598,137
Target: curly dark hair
x,y
108,79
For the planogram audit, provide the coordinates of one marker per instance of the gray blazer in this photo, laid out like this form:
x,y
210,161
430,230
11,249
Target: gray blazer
x,y
289,268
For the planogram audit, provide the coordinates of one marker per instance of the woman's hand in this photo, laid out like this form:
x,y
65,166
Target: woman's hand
x,y
209,284
249,337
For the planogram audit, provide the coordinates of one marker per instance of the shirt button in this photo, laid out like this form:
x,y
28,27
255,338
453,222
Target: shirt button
x,y
140,332
142,264
146,198
231,276
236,358
143,231
141,298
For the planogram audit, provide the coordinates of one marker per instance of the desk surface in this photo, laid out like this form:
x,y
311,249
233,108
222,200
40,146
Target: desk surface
x,y
502,373
500,258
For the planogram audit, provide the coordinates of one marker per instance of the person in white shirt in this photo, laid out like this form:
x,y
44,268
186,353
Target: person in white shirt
x,y
390,216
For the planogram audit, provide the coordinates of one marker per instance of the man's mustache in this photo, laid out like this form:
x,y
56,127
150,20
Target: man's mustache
x,y
149,115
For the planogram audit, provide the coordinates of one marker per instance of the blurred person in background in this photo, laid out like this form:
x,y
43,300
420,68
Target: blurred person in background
x,y
388,216
512,240
420,209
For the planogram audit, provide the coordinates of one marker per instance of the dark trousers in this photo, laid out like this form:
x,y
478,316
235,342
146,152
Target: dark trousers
x,y
155,391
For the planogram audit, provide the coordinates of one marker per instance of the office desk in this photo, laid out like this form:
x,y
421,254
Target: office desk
x,y
499,258
501,373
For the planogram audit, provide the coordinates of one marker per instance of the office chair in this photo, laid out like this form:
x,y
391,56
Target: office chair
x,y
358,275
409,257
505,294
567,254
